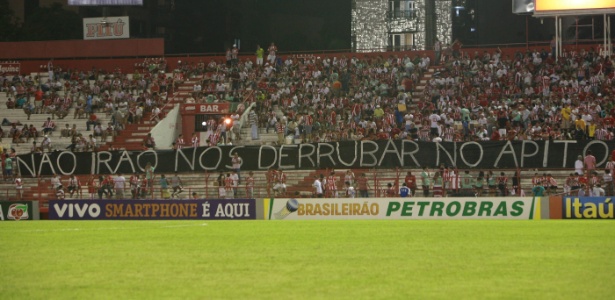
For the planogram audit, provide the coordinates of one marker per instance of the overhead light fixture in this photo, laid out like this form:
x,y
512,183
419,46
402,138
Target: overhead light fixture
x,y
458,9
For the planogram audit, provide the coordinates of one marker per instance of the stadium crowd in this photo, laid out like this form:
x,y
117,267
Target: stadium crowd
x,y
471,96
126,99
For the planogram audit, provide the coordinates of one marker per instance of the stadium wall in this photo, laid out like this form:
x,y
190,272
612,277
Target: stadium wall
x,y
109,55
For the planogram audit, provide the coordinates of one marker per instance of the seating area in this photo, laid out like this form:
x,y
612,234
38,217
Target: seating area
x,y
473,97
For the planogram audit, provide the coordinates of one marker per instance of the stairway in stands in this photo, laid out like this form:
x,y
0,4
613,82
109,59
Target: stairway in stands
x,y
419,89
131,138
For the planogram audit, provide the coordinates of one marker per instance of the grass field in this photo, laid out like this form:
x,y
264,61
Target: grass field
x,y
307,260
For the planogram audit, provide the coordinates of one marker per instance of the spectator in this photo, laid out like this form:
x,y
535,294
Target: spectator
x,y
149,142
589,162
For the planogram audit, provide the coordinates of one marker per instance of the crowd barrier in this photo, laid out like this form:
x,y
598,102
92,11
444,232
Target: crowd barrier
x,y
450,208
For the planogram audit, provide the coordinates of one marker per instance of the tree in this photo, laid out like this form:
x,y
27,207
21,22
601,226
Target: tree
x,y
8,22
52,23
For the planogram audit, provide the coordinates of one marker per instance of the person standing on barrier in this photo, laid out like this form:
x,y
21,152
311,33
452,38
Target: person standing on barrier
x,y
119,183
502,182
467,183
318,186
538,190
438,185
607,178
404,191
250,185
425,180
236,162
479,184
164,187
363,185
598,191
410,182
176,183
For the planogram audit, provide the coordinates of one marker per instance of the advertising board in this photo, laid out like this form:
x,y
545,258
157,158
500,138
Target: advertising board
x,y
210,209
559,5
206,108
106,28
514,208
19,211
10,67
588,208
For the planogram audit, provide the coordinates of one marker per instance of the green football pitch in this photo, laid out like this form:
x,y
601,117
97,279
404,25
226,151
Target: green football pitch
x,y
307,260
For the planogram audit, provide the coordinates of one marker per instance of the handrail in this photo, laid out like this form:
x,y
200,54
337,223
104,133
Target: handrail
x,y
244,54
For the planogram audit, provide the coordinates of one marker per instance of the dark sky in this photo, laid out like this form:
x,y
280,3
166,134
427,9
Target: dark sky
x,y
495,23
212,25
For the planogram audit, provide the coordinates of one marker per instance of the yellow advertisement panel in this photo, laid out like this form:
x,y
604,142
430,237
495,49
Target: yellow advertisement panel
x,y
553,5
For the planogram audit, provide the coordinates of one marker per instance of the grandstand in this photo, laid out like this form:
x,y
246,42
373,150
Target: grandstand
x,y
526,89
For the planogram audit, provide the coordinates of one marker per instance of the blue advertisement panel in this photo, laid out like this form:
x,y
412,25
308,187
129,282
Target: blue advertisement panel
x,y
587,208
218,209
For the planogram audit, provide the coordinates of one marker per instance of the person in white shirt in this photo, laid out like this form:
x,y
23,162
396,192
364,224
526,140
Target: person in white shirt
x,y
578,165
19,185
119,182
434,119
598,191
409,118
350,191
318,186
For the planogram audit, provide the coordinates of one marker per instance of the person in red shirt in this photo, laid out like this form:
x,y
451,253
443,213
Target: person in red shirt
x,y
495,135
331,185
92,121
410,181
92,186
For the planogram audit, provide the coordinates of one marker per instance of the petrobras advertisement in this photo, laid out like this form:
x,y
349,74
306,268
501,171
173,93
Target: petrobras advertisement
x,y
220,209
106,28
19,211
588,208
519,208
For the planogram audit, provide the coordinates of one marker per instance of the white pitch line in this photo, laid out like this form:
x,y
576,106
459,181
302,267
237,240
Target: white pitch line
x,y
105,228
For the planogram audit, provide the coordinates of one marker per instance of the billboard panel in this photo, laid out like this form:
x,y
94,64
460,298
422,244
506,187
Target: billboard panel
x,y
209,209
511,208
19,211
104,2
10,68
559,5
588,208
522,6
106,28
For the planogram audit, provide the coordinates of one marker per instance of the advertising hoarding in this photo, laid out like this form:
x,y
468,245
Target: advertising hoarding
x,y
19,211
210,209
10,68
588,208
106,28
559,5
513,208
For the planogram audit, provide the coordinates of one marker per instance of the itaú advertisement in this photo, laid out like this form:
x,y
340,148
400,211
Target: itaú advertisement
x,y
207,209
522,208
588,208
554,5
